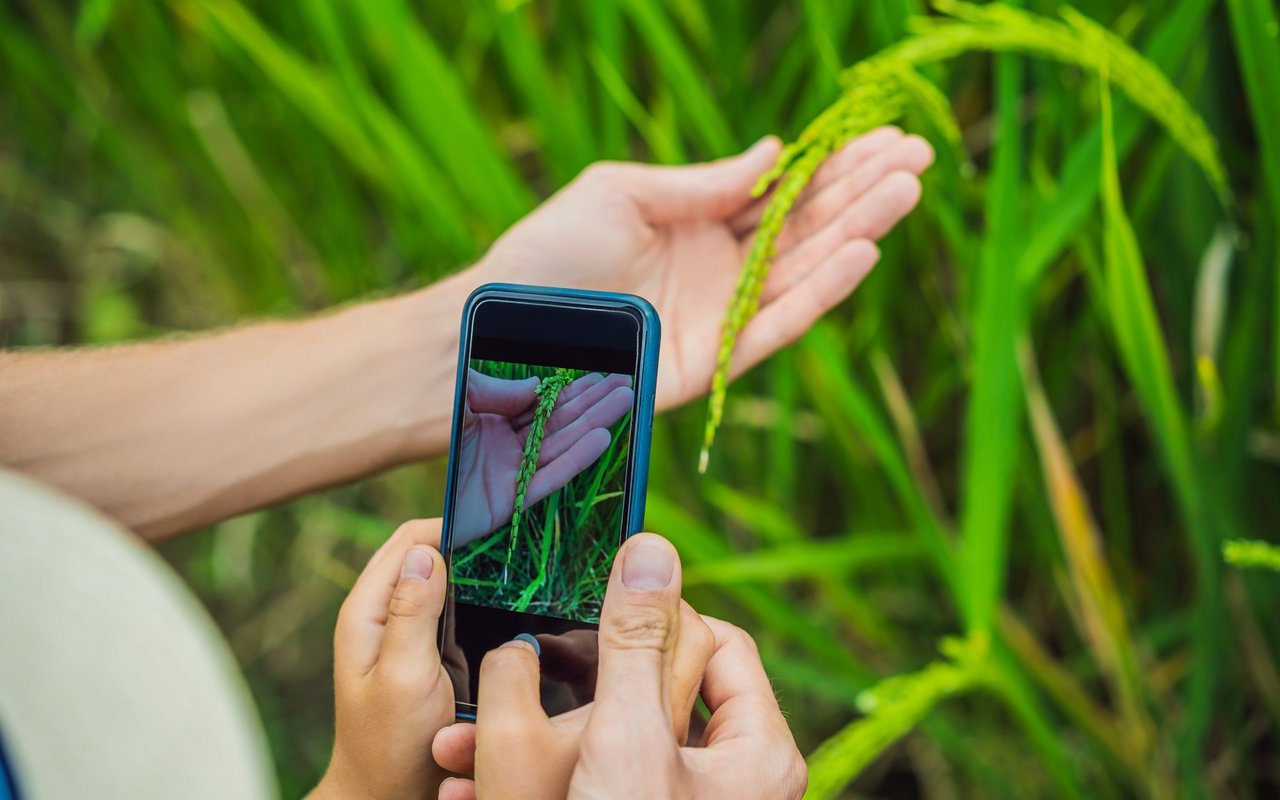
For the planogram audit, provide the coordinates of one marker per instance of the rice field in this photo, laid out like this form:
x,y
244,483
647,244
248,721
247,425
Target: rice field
x,y
976,518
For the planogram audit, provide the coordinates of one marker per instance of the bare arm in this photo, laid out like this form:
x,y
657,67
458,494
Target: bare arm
x,y
170,436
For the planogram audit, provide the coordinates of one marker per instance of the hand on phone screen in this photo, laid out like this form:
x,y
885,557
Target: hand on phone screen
x,y
495,427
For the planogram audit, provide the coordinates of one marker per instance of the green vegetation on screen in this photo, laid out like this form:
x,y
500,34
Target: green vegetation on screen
x,y
554,557
1032,428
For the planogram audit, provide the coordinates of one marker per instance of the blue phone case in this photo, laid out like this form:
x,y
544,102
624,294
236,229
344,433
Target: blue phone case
x,y
646,383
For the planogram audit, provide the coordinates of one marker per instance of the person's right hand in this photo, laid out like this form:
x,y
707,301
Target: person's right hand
x,y
631,746
495,427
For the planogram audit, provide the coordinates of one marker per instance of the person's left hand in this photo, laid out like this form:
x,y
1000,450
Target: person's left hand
x,y
392,694
678,236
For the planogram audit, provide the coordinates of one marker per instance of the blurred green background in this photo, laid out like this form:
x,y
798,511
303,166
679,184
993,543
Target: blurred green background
x,y
177,166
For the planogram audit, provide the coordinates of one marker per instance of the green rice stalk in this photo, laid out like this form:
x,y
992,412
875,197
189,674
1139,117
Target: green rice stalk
x,y
892,708
881,89
1251,554
546,392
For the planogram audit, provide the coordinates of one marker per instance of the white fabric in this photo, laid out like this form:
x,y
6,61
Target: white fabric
x,y
114,681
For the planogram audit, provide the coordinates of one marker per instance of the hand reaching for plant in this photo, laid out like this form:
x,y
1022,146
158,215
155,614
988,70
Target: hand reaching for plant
x,y
495,427
678,236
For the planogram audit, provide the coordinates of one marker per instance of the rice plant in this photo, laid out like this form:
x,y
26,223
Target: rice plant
x,y
550,557
1037,429
882,88
547,392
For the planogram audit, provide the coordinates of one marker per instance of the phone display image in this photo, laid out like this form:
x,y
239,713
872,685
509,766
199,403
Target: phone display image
x,y
542,466
547,473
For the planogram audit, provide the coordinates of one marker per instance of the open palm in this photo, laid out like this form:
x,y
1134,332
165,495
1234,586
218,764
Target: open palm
x,y
495,427
678,237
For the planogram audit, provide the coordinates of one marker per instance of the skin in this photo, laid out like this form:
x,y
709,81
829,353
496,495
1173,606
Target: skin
x,y
173,435
495,427
627,746
393,696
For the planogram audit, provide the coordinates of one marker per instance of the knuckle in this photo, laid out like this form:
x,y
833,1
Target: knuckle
x,y
638,626
600,172
408,601
741,638
701,641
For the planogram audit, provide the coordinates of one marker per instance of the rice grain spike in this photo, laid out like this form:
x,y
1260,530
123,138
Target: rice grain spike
x,y
546,392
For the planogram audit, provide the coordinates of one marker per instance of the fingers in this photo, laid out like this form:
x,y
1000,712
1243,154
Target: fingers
x,y
694,647
788,316
567,395
638,627
580,455
458,789
602,414
509,714
871,216
409,646
699,191
362,621
571,408
840,164
736,688
454,748
509,678
489,395
910,154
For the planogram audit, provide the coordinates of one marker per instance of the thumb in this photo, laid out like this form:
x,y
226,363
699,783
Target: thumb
x,y
638,626
713,190
413,615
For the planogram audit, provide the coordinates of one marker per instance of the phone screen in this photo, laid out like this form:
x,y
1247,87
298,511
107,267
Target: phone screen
x,y
541,476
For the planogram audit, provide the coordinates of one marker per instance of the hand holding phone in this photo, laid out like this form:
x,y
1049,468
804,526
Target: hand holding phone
x,y
516,749
391,693
653,664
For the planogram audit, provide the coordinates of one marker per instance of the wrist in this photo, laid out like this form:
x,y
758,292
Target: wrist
x,y
419,334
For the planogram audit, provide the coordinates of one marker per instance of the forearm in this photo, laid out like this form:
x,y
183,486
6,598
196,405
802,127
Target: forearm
x,y
170,436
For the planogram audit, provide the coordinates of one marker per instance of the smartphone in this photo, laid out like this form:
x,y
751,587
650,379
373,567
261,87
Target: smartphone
x,y
548,466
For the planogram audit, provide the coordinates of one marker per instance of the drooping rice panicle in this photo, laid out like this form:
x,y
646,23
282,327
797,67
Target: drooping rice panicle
x,y
880,89
546,392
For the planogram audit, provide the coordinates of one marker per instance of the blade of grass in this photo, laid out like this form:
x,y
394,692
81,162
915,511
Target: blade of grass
x,y
401,170
1255,26
1144,354
664,148
827,558
564,133
696,103
993,416
1105,629
432,98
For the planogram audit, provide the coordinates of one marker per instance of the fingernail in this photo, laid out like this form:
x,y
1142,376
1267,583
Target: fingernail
x,y
418,563
525,638
649,565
